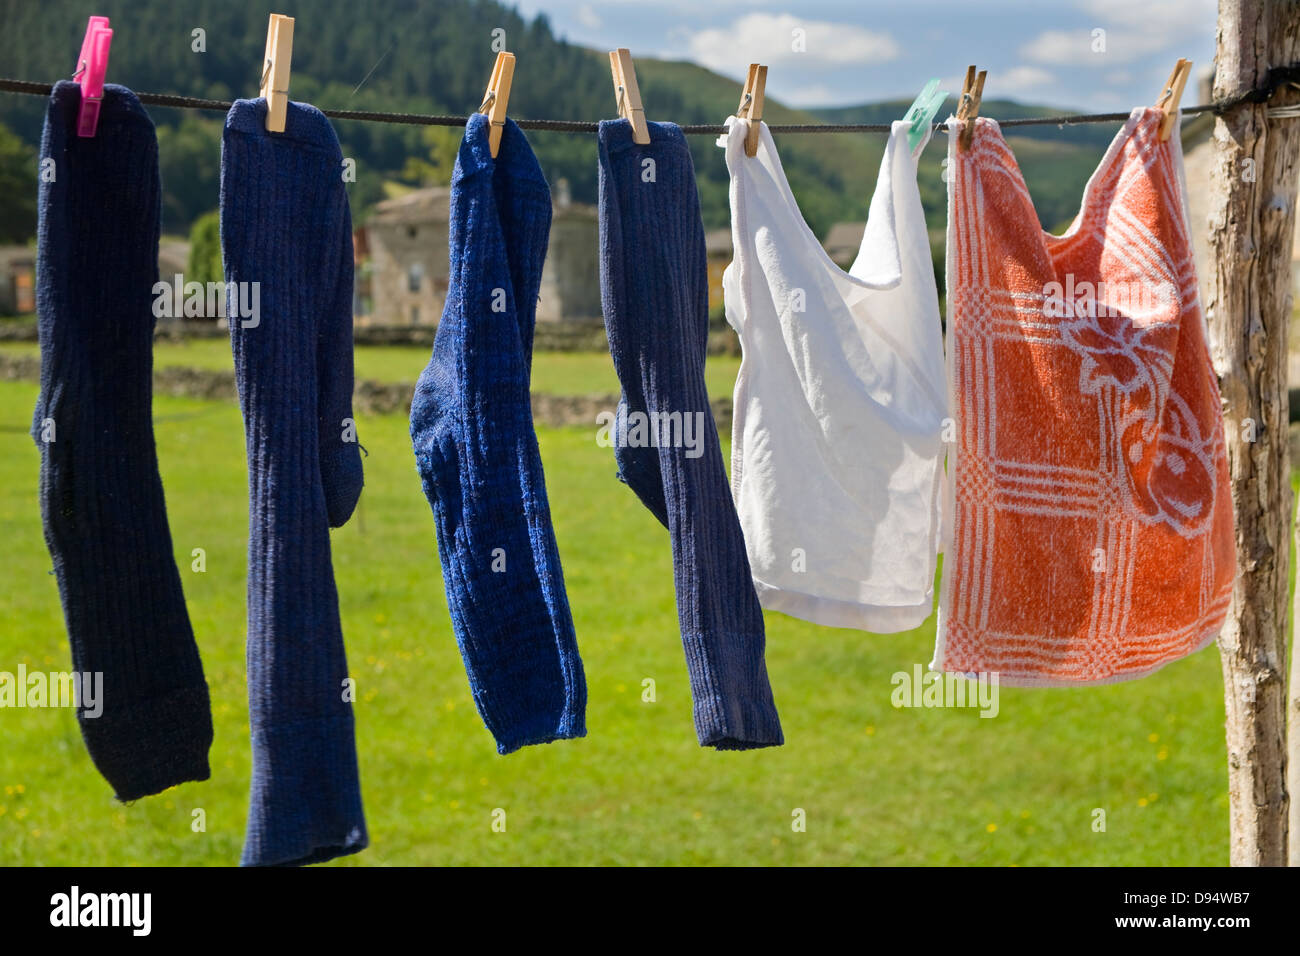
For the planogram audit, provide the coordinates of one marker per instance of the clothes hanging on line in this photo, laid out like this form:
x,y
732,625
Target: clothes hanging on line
x,y
1088,523
654,293
285,226
1092,534
477,455
102,502
837,452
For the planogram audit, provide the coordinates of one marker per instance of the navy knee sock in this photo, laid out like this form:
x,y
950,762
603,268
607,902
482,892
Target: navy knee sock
x,y
654,291
285,225
101,497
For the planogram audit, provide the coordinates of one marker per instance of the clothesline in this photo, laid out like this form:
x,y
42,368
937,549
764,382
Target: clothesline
x,y
1275,78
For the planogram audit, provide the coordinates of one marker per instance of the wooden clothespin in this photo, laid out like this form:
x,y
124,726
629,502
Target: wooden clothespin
x,y
751,105
628,94
968,108
275,70
1171,94
497,97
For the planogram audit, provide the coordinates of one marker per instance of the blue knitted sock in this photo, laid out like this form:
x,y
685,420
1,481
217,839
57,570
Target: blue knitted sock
x,y
285,225
476,451
654,291
101,497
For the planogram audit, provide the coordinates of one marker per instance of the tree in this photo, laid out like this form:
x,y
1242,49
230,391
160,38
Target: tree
x,y
442,142
17,189
189,159
205,250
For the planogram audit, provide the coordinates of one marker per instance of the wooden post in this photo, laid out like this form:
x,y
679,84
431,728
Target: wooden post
x,y
1249,306
1293,731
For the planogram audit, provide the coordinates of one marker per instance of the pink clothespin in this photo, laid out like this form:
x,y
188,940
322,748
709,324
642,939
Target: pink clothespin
x,y
92,65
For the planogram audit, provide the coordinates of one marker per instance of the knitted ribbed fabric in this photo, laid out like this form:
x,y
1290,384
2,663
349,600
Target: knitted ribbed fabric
x,y
476,452
654,291
285,225
101,496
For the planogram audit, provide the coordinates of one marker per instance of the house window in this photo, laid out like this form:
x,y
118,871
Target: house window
x,y
414,277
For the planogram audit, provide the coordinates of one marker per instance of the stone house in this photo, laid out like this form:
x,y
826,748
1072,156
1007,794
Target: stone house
x,y
717,245
570,289
407,241
17,280
843,241
361,266
406,238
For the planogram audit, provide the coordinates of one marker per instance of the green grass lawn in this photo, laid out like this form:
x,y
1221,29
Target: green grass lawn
x,y
879,785
554,373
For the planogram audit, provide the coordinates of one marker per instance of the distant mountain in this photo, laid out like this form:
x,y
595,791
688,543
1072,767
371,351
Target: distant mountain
x,y
401,56
1056,160
1091,134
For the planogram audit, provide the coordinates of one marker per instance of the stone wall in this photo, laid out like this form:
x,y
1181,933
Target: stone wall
x,y
369,397
568,336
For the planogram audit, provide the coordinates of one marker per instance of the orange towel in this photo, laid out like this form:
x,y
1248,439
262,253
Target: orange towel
x,y
1090,535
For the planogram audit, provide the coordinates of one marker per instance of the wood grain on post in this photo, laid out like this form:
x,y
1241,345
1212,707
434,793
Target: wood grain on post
x,y
1293,735
1248,306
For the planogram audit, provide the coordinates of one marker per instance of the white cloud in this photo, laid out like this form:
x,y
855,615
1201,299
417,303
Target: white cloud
x,y
817,95
1066,48
769,38
1133,31
587,16
1030,83
1020,82
1167,17
690,6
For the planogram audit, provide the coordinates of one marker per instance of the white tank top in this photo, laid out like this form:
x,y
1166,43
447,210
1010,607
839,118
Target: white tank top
x,y
837,453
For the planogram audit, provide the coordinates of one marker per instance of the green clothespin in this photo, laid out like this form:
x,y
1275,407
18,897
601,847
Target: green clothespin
x,y
921,113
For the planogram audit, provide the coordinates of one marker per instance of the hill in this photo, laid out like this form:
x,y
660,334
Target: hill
x,y
392,55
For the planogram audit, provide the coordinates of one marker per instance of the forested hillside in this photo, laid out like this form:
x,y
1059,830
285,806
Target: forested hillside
x,y
402,56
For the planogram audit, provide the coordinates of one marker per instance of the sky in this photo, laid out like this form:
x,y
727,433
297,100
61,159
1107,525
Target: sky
x,y
1088,55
